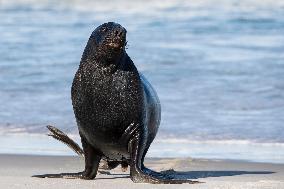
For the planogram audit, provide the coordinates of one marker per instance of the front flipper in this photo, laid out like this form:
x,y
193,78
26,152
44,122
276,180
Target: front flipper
x,y
140,174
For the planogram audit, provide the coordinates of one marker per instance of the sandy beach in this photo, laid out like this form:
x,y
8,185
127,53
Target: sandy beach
x,y
16,172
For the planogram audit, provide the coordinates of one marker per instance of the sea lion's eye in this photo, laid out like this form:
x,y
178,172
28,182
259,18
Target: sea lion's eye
x,y
103,29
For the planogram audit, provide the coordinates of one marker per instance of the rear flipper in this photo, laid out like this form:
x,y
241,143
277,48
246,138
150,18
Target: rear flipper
x,y
78,175
92,161
89,173
141,174
62,137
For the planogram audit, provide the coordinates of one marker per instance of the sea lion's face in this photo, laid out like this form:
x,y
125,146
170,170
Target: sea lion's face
x,y
110,40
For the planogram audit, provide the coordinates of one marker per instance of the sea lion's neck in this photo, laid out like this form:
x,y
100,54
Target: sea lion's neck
x,y
110,65
106,61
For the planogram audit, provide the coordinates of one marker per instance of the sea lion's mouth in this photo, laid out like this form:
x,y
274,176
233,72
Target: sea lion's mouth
x,y
114,45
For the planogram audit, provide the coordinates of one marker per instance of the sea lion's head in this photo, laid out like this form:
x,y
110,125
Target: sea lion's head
x,y
108,41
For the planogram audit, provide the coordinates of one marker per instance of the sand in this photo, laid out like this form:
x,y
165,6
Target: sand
x,y
16,172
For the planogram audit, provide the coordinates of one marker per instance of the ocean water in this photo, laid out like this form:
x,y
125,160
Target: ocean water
x,y
217,66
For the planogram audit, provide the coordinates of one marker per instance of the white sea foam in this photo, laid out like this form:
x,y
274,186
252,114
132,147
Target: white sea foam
x,y
219,149
222,142
234,149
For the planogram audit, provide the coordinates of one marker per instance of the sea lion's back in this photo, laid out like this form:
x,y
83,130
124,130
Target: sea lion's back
x,y
153,108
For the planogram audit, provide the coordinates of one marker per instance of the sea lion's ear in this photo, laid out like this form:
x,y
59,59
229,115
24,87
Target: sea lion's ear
x,y
97,35
94,33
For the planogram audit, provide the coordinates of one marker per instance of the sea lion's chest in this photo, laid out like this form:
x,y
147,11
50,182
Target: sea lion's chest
x,y
116,93
107,102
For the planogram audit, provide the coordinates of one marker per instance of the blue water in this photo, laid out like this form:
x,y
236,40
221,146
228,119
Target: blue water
x,y
217,66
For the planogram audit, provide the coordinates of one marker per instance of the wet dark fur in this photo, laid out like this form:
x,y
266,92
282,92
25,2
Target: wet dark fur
x,y
116,109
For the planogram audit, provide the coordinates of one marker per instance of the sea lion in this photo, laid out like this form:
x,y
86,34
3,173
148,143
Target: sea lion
x,y
117,110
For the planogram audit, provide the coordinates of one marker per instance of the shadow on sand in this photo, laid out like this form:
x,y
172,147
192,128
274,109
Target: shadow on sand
x,y
205,174
197,174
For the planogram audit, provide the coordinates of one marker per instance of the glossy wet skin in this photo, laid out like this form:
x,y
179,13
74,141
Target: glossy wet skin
x,y
116,109
110,97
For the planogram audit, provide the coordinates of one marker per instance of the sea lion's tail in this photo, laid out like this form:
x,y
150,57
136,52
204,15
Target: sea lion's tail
x,y
62,137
